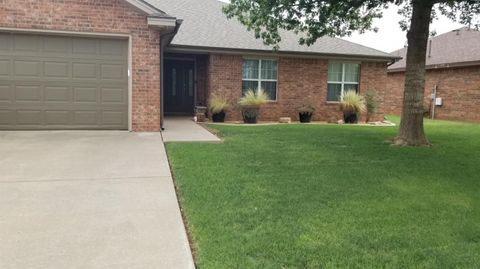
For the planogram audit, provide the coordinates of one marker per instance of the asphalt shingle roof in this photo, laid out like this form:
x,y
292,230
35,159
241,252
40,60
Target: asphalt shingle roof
x,y
455,48
205,26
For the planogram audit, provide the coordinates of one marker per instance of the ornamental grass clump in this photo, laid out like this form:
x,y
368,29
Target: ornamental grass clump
x,y
352,104
218,107
253,99
251,103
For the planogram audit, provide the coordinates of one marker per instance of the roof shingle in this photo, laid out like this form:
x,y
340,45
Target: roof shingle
x,y
459,47
205,26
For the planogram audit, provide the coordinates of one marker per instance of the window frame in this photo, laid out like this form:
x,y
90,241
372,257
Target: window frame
x,y
343,82
260,79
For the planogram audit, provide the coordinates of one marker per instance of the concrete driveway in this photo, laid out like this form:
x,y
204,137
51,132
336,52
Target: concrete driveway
x,y
88,200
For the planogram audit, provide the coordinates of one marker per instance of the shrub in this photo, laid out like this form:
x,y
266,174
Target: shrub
x,y
371,103
218,104
253,99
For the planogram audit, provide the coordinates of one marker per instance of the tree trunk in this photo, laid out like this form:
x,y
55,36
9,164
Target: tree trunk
x,y
411,131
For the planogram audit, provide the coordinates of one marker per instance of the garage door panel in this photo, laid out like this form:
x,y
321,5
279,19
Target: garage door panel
x,y
85,46
56,69
85,118
25,93
53,117
84,70
56,82
56,45
6,94
58,95
7,117
5,43
5,67
27,68
113,96
113,118
29,117
113,71
85,95
112,48
26,43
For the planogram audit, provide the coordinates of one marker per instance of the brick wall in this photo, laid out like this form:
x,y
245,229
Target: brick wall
x,y
225,78
105,16
394,93
300,81
458,87
201,80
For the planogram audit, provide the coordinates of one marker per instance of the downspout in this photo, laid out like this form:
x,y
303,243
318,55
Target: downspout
x,y
392,62
165,39
434,98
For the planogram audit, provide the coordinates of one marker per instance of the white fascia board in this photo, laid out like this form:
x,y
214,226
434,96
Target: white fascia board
x,y
162,22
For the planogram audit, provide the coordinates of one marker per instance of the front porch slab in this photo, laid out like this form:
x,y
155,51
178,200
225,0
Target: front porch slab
x,y
184,129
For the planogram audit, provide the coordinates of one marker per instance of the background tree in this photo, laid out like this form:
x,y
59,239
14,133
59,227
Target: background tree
x,y
313,19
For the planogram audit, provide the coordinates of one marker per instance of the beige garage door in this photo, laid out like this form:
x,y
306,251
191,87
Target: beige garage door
x,y
57,82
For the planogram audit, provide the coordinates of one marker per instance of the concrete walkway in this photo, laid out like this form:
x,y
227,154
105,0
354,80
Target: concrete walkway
x,y
184,129
88,200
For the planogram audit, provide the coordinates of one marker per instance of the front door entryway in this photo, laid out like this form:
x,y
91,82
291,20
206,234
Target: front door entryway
x,y
179,88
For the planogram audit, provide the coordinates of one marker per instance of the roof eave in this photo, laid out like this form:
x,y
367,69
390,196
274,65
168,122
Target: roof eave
x,y
439,66
144,6
155,17
205,49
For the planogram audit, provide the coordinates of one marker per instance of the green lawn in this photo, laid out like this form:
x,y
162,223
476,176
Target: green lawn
x,y
327,196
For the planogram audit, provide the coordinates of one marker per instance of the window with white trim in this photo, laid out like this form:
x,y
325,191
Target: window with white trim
x,y
260,74
342,77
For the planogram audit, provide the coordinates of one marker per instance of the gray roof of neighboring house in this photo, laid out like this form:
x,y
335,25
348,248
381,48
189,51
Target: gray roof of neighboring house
x,y
459,47
205,26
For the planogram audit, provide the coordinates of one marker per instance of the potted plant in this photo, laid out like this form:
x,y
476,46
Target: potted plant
x,y
218,107
352,104
371,103
251,103
305,113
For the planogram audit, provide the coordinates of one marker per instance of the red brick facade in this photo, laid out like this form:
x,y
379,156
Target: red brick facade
x,y
459,89
103,16
300,81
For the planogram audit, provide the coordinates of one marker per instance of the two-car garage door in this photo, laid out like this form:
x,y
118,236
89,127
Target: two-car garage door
x,y
57,82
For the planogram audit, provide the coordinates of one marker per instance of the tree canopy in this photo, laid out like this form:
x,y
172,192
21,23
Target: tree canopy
x,y
317,18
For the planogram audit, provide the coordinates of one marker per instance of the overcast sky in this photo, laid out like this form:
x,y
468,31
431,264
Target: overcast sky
x,y
390,37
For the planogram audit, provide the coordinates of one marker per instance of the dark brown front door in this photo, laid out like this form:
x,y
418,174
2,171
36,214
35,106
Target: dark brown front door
x,y
179,89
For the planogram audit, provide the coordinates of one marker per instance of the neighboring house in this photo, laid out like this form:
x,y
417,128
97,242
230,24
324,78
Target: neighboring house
x,y
453,69
123,64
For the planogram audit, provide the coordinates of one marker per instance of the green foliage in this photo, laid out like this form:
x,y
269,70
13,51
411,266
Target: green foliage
x,y
329,196
253,99
371,102
352,102
316,18
218,104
